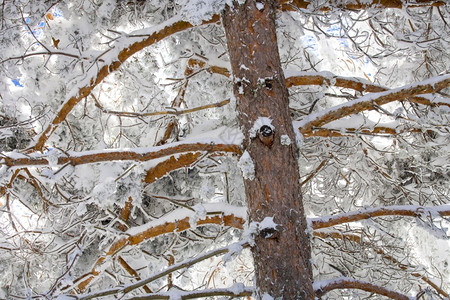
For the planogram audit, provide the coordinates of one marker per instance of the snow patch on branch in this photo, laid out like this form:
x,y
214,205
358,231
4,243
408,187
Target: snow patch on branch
x,y
267,297
233,251
247,166
182,213
285,140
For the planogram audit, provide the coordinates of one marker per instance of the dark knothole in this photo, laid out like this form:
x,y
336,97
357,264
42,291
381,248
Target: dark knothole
x,y
266,135
266,131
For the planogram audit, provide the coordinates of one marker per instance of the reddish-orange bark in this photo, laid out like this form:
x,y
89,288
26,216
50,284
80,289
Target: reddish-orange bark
x,y
170,164
412,211
383,98
178,226
87,158
282,263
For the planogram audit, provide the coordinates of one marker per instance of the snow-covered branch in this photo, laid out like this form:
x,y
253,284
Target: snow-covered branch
x,y
115,58
179,220
293,5
296,78
168,270
236,290
395,210
359,240
325,286
368,101
13,159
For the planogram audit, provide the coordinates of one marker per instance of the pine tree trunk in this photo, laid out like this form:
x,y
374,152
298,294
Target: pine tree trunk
x,y
282,257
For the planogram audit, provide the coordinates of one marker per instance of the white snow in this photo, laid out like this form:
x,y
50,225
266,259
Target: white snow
x,y
367,98
182,213
267,223
247,166
285,140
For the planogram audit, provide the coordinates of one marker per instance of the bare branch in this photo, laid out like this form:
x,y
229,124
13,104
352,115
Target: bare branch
x,y
173,111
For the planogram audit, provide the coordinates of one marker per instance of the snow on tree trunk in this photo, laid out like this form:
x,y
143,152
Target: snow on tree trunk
x,y
282,256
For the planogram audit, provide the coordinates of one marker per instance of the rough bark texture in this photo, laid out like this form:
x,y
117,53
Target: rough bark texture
x,y
282,259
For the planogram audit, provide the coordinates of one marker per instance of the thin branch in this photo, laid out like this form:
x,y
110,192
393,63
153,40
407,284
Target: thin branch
x,y
320,166
42,53
363,214
195,65
125,213
133,273
323,287
237,290
173,111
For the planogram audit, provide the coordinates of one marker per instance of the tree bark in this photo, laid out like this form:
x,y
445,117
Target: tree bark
x,y
281,256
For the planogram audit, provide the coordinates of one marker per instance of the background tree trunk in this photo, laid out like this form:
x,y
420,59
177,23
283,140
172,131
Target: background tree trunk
x,y
282,261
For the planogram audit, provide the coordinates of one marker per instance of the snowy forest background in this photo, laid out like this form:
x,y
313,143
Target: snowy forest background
x,y
117,164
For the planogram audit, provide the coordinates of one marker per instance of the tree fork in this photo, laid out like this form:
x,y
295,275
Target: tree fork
x,y
282,264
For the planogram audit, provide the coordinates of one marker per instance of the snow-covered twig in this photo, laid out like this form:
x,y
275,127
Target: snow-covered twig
x,y
359,240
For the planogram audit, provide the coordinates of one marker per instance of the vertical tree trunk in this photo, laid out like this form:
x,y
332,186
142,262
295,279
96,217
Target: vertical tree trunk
x,y
282,258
